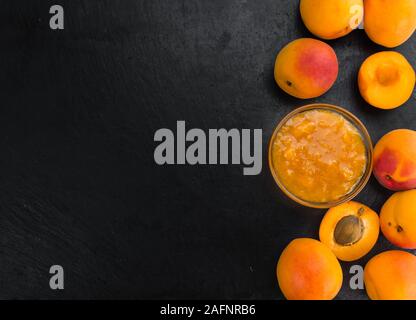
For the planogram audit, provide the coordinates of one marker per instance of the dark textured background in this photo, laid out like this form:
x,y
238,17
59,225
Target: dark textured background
x,y
78,184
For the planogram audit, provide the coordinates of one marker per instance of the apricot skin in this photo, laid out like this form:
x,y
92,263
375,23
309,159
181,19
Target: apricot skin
x,y
398,219
391,275
389,22
306,68
331,19
386,80
308,270
371,228
395,160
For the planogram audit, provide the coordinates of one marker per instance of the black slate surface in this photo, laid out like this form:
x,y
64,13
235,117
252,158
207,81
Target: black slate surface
x,y
78,183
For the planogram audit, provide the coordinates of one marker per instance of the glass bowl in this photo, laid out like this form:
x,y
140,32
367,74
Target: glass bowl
x,y
367,143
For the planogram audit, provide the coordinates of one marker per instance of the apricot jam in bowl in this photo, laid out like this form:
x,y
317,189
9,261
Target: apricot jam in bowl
x,y
321,155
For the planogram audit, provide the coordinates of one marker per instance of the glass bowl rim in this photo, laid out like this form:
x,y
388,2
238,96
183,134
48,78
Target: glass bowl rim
x,y
367,142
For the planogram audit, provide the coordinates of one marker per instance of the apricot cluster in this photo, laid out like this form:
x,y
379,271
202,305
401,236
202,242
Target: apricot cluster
x,y
308,269
307,68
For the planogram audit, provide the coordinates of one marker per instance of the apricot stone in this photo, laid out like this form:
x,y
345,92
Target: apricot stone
x,y
386,80
398,219
389,22
331,19
391,275
308,270
306,68
395,160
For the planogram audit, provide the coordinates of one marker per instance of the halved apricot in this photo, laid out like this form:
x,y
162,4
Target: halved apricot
x,y
386,80
350,230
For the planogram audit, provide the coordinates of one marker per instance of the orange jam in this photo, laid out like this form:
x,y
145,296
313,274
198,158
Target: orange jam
x,y
318,155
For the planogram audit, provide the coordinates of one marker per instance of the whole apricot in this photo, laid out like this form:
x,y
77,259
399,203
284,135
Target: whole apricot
x,y
391,275
398,219
386,80
395,160
389,22
350,230
308,270
331,19
306,68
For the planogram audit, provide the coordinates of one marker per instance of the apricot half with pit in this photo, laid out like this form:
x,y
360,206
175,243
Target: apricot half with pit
x,y
389,22
306,68
331,19
391,275
386,80
398,219
350,230
308,270
395,160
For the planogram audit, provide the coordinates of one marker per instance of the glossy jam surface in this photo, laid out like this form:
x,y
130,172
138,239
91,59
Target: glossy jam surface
x,y
318,155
